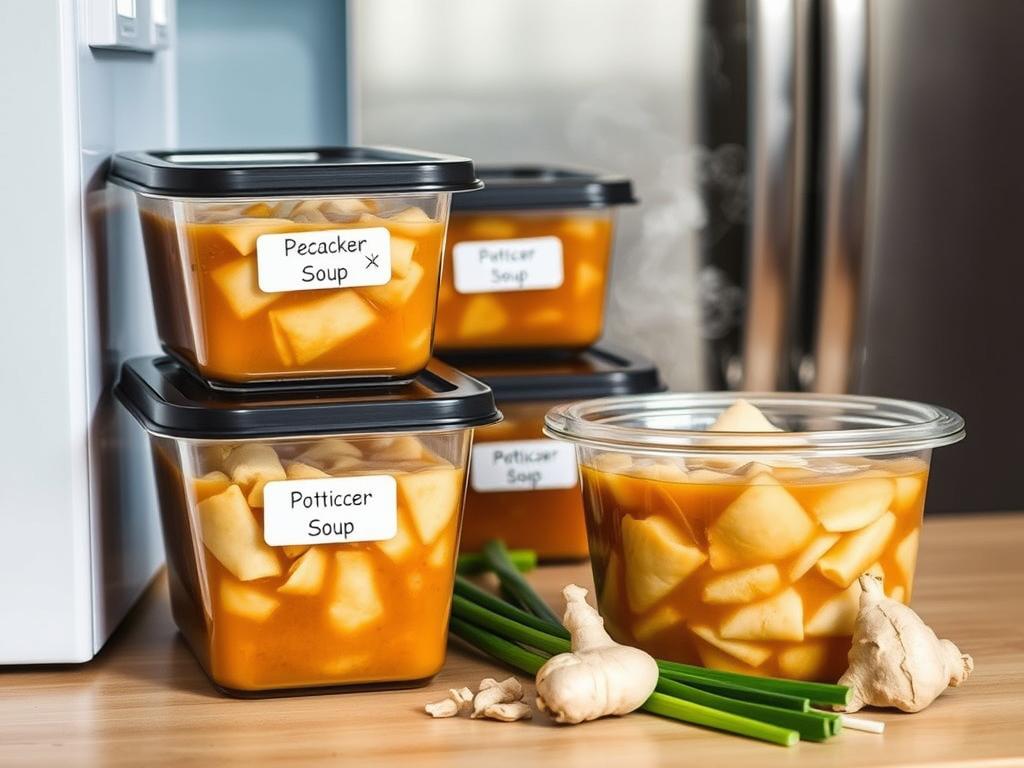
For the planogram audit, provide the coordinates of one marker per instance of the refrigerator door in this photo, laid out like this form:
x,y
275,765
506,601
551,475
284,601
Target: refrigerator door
x,y
940,305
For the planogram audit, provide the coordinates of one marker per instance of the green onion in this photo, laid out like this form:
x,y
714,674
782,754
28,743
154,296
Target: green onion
x,y
512,580
470,563
482,597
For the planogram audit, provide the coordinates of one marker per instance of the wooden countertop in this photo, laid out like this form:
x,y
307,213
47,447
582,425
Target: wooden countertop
x,y
144,700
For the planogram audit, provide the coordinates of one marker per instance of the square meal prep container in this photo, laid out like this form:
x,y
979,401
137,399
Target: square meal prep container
x,y
524,487
310,540
527,259
273,266
741,550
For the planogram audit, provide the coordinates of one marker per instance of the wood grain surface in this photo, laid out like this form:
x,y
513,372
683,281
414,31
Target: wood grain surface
x,y
144,701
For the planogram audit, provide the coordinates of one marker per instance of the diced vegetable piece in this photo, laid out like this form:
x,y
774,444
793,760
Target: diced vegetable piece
x,y
658,558
613,462
296,470
777,618
284,352
659,620
906,554
397,290
348,206
492,228
663,471
807,661
713,658
306,575
291,551
908,491
763,524
588,279
325,453
233,536
710,476
356,602
742,416
343,464
237,281
411,214
442,554
401,448
852,505
210,484
432,498
753,654
811,553
582,227
742,586
243,233
546,316
247,602
253,465
837,615
283,208
402,544
483,316
402,251
856,551
344,667
316,327
258,210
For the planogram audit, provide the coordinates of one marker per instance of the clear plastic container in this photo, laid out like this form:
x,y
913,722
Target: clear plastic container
x,y
527,260
524,487
300,264
310,542
741,550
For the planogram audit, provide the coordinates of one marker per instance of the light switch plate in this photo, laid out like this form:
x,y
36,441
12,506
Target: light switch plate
x,y
125,25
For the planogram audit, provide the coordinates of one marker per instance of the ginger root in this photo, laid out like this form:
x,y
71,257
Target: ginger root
x,y
459,700
896,659
599,677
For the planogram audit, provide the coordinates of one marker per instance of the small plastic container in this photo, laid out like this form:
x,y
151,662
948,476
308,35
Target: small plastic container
x,y
310,542
272,266
524,487
527,260
742,550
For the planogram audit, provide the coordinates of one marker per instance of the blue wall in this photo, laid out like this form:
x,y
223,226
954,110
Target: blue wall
x,y
257,73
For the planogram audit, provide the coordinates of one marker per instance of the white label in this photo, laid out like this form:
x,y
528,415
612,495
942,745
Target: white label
x,y
523,465
329,258
491,266
330,510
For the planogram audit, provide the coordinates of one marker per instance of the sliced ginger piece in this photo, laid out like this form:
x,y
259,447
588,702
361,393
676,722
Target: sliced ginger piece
x,y
296,470
811,554
210,484
397,291
237,281
313,328
432,497
245,601
854,504
306,575
752,654
777,618
243,233
742,416
742,586
905,554
763,524
233,536
357,602
658,621
484,315
806,661
856,551
837,615
657,559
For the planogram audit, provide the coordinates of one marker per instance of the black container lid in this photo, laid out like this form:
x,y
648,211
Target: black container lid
x,y
600,371
545,186
266,172
169,401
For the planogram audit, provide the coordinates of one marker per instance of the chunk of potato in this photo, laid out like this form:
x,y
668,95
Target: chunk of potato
x,y
906,554
908,491
856,551
243,233
806,661
411,214
811,553
325,453
401,448
258,210
659,620
356,604
742,586
252,466
763,524
296,470
347,206
284,352
589,279
248,602
233,536
777,618
314,328
657,558
397,291
433,498
712,658
742,416
837,615
854,504
753,654
442,554
402,251
662,471
492,228
613,462
291,551
306,575
402,544
236,280
483,316
210,484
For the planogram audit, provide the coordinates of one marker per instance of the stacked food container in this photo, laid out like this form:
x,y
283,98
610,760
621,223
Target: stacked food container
x,y
521,305
310,457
